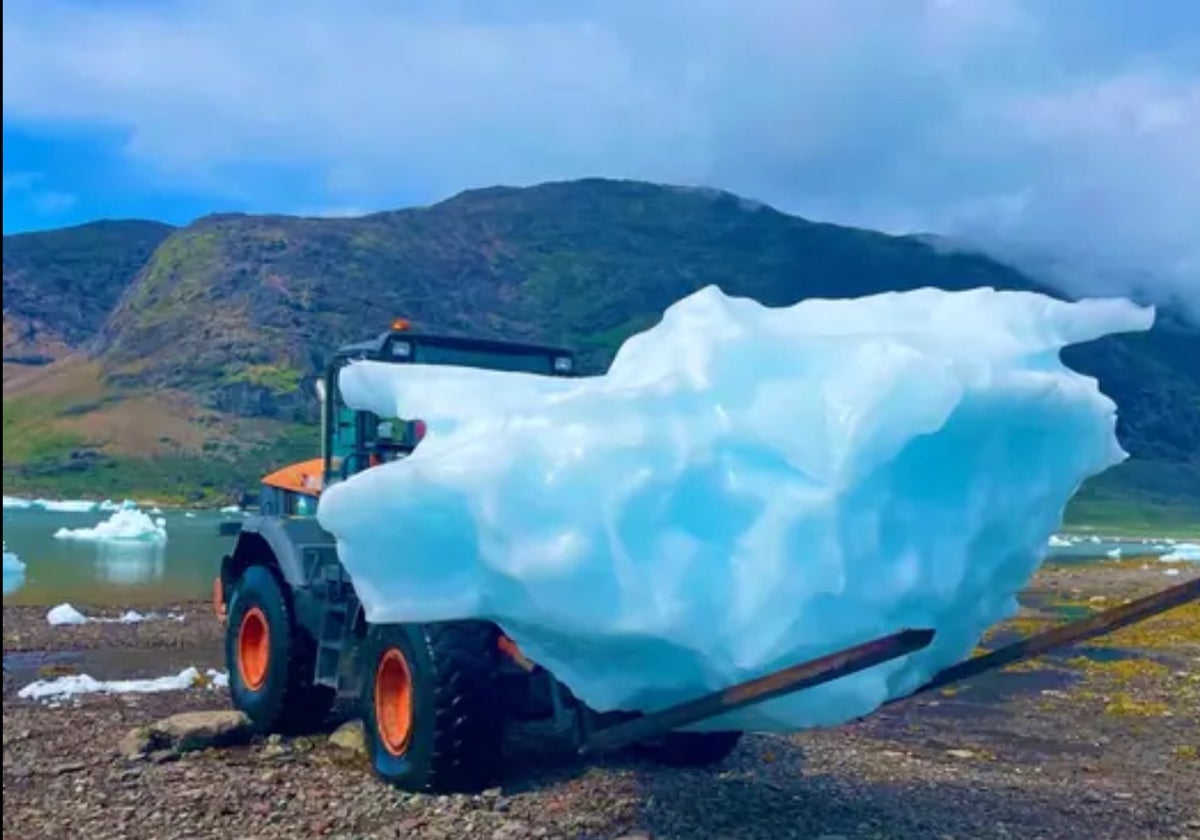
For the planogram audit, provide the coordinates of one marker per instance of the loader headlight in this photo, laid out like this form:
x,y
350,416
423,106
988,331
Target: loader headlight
x,y
563,364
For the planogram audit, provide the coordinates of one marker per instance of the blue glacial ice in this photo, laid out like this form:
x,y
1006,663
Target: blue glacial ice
x,y
14,571
746,488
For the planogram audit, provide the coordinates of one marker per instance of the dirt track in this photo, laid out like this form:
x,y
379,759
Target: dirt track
x,y
1105,745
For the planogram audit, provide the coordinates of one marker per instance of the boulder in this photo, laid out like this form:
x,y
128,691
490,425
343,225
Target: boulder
x,y
186,732
350,736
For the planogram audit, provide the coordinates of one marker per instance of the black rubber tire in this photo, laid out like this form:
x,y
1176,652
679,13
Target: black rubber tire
x,y
457,728
689,749
287,702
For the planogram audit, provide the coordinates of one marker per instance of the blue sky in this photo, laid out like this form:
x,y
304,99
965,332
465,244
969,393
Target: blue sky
x,y
1069,127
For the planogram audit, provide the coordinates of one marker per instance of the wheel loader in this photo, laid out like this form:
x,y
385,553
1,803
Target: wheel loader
x,y
436,698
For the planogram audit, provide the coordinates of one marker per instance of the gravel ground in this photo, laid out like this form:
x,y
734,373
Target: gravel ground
x,y
1105,745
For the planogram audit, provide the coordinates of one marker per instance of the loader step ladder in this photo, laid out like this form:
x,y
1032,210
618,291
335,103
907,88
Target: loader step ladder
x,y
339,605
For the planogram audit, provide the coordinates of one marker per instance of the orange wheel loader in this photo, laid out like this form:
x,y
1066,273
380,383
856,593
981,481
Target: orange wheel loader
x,y
436,698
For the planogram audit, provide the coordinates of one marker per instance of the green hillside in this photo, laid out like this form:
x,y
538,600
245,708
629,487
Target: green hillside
x,y
218,328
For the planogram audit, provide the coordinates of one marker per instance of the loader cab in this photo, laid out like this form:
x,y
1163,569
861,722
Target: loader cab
x,y
353,441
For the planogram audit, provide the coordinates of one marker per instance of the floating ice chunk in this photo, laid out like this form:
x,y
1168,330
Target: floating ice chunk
x,y
14,571
124,525
65,614
51,505
68,505
12,563
156,511
189,514
746,488
108,506
1058,542
231,509
76,684
1183,551
1114,553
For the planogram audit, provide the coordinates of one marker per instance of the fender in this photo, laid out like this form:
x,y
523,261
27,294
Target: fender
x,y
297,548
293,545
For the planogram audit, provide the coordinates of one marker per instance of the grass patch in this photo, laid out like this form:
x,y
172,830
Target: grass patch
x,y
220,475
279,380
29,433
1172,629
1129,519
1139,498
1126,705
1123,670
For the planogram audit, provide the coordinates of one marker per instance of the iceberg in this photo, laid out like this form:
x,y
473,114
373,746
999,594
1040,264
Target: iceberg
x,y
125,525
65,505
746,488
14,571
50,505
12,563
1187,552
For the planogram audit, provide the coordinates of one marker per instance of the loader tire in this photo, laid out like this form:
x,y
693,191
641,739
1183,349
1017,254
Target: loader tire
x,y
430,709
689,749
270,661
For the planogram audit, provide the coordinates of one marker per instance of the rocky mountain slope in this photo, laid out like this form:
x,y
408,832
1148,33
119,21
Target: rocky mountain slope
x,y
187,355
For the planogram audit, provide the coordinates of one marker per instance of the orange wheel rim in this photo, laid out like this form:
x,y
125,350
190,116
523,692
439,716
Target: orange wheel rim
x,y
254,648
393,702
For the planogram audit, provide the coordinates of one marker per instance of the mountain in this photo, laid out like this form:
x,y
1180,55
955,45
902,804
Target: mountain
x,y
60,286
184,358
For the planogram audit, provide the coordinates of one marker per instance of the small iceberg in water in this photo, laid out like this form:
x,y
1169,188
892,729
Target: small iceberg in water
x,y
1188,552
126,525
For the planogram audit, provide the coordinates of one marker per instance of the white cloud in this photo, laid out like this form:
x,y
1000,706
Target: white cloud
x,y
1071,126
46,202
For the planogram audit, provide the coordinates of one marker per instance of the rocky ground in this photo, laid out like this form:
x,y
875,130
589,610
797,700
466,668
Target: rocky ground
x,y
1100,742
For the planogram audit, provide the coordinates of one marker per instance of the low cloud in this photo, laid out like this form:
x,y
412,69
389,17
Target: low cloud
x,y
1070,128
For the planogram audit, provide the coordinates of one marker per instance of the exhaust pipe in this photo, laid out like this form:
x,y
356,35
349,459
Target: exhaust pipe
x,y
321,396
